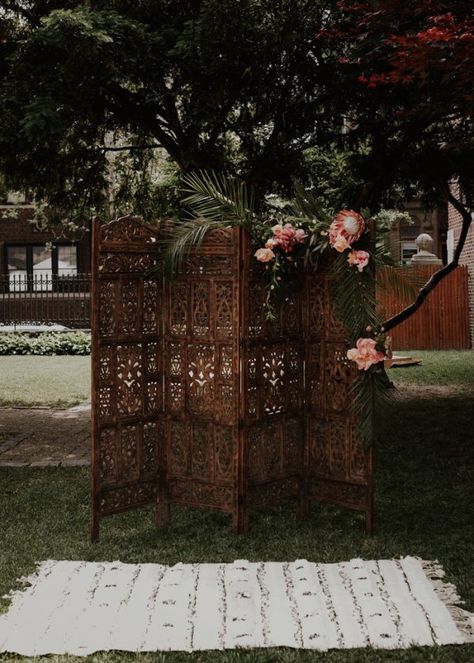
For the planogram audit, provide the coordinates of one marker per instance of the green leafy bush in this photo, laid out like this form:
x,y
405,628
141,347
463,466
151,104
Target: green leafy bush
x,y
45,343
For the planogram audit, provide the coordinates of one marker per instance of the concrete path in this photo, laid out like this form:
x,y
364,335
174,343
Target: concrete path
x,y
42,437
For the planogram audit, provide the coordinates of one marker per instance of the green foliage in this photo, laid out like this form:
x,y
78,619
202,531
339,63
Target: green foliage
x,y
170,74
213,201
216,197
45,343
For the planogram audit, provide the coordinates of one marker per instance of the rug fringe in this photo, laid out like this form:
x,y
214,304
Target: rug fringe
x,y
447,593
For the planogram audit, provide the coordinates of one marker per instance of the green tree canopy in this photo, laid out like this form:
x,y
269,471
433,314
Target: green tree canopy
x,y
223,84
360,100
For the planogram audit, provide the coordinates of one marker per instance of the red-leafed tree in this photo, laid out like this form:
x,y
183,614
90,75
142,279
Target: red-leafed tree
x,y
403,74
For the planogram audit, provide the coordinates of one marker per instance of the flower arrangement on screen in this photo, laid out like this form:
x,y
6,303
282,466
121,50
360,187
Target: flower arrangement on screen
x,y
288,240
286,244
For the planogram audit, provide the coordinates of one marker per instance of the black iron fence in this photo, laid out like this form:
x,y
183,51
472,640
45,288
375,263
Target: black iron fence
x,y
45,299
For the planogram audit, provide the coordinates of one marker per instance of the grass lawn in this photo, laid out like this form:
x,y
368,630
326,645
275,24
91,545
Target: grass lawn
x,y
60,381
424,506
450,367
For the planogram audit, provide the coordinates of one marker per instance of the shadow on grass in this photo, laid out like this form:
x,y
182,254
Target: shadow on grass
x,y
424,506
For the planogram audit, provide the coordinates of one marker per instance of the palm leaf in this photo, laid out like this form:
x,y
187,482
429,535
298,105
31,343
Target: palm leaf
x,y
354,298
402,282
183,237
305,204
369,394
216,197
213,201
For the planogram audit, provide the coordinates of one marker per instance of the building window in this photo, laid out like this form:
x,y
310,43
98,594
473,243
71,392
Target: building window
x,y
407,251
38,268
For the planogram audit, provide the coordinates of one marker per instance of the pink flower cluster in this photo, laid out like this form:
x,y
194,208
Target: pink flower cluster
x,y
285,238
359,259
346,228
365,354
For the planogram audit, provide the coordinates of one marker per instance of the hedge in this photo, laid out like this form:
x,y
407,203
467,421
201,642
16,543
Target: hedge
x,y
45,343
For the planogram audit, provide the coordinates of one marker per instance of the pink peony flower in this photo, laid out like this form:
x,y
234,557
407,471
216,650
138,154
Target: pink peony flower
x,y
347,223
359,259
340,244
365,354
264,255
286,237
300,235
271,243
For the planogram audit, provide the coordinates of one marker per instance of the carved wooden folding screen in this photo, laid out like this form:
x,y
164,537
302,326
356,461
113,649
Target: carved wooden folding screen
x,y
199,400
127,394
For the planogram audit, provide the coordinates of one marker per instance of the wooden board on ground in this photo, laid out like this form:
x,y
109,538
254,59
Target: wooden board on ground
x,y
394,362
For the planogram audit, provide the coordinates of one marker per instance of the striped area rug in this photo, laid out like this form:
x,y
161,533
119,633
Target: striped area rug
x,y
83,607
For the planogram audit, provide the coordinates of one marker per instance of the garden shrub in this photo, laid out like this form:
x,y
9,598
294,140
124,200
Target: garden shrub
x,y
45,343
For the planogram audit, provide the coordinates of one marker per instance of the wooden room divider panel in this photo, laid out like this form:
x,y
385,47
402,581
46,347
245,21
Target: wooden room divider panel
x,y
128,453
199,400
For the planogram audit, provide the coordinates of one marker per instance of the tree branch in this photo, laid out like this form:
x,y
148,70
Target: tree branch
x,y
152,146
438,276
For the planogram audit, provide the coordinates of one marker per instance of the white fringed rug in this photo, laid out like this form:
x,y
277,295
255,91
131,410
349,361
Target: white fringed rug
x,y
83,607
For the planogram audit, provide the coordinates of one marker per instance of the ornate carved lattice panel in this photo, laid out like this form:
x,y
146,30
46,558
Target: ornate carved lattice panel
x,y
203,495
130,379
273,379
293,443
223,453
127,339
107,456
202,460
201,310
106,308
319,447
339,374
152,306
339,468
224,299
178,309
201,374
129,443
129,309
180,436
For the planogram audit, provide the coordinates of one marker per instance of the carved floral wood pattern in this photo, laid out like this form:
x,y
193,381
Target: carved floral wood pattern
x,y
199,400
128,438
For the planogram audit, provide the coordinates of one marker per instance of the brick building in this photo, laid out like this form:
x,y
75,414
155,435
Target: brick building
x,y
43,272
467,255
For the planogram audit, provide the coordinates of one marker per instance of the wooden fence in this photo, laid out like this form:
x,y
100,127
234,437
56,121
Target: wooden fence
x,y
442,323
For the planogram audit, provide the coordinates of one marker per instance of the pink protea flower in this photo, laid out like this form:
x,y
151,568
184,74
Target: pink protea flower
x,y
365,354
340,244
359,259
264,255
347,223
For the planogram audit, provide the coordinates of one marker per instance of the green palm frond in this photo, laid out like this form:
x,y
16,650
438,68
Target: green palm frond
x,y
403,282
213,201
369,394
216,197
183,237
305,204
354,297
